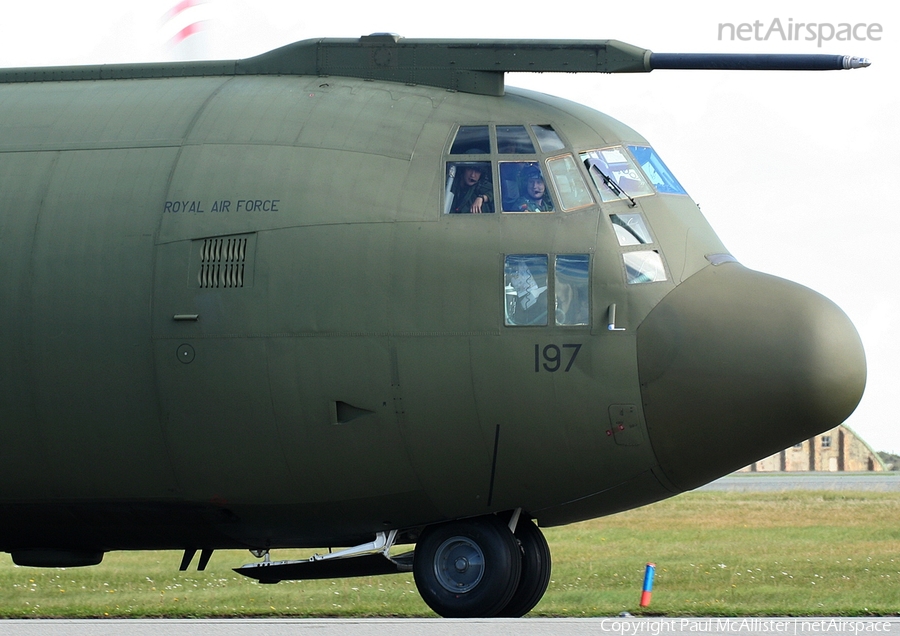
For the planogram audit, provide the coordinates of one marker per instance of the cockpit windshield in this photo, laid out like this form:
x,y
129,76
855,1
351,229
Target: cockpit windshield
x,y
615,174
659,175
625,174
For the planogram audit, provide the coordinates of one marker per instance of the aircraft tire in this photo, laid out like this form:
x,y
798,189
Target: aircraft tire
x,y
535,570
468,568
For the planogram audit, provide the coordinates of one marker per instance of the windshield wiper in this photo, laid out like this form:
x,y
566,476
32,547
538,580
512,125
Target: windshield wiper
x,y
594,164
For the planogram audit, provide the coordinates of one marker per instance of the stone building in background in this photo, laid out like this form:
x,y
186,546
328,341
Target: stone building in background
x,y
839,449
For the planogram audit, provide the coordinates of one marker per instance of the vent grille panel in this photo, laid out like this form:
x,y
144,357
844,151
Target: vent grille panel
x,y
222,262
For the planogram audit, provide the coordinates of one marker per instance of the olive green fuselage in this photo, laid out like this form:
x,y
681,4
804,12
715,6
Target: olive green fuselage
x,y
235,315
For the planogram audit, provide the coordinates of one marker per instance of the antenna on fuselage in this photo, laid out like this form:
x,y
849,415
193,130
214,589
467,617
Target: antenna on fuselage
x,y
469,66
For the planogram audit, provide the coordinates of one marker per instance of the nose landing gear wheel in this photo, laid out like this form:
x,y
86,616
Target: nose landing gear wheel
x,y
469,568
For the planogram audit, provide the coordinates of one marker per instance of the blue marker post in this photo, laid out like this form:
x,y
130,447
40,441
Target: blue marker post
x,y
648,584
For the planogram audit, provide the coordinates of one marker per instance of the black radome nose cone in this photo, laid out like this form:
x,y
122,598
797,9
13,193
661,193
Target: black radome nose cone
x,y
736,365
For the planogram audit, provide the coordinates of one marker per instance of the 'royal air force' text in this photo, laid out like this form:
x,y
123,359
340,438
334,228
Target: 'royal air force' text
x,y
221,206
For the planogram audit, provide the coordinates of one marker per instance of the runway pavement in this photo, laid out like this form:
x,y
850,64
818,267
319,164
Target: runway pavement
x,y
443,627
750,482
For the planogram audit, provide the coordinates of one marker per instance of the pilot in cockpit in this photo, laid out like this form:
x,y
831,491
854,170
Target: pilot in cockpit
x,y
471,189
536,198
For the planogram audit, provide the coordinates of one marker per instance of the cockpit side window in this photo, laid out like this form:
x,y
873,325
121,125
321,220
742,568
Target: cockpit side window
x,y
523,187
572,189
469,188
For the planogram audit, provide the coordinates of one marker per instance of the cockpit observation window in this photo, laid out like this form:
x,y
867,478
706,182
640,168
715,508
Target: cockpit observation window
x,y
570,185
643,267
525,289
523,187
528,284
630,229
547,138
615,175
659,175
471,140
513,140
572,291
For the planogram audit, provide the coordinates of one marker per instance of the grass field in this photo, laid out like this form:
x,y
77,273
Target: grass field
x,y
784,553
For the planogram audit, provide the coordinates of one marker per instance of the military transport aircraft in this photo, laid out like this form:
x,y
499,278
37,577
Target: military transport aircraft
x,y
355,292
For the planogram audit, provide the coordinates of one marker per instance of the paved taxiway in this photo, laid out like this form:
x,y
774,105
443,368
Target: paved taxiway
x,y
459,627
750,482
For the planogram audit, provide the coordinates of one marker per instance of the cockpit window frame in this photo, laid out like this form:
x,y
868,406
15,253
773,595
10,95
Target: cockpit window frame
x,y
467,154
641,259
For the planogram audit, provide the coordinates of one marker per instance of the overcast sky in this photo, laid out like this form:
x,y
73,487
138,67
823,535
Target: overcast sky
x,y
793,170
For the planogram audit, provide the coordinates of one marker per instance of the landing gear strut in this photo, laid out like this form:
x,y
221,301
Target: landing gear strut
x,y
479,568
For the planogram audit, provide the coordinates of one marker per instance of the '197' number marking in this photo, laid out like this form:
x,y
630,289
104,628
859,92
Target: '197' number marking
x,y
550,357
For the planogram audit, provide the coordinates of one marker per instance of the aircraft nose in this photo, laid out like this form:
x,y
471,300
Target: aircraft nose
x,y
736,365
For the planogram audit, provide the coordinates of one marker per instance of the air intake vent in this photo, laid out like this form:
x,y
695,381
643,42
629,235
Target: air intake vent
x,y
222,263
